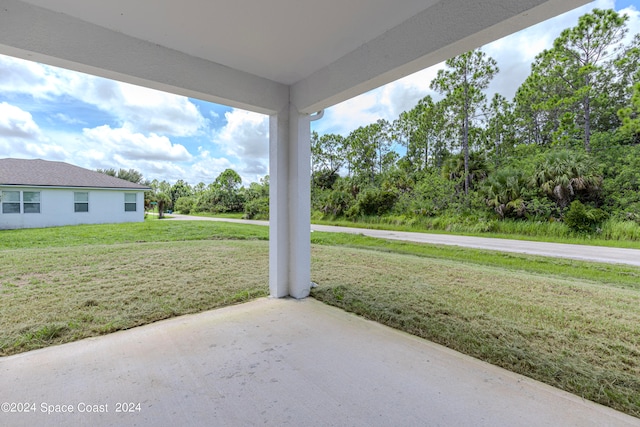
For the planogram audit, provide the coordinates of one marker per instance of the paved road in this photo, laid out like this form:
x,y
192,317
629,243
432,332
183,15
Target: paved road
x,y
558,250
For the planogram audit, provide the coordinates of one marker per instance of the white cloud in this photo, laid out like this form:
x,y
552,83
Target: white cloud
x,y
21,137
351,114
245,140
633,23
104,147
64,118
207,168
130,145
44,151
17,123
246,135
169,171
20,76
142,109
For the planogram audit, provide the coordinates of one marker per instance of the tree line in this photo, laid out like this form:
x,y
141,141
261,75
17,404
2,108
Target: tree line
x,y
224,194
565,149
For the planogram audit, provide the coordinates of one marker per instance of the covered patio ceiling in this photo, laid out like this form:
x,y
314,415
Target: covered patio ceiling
x,y
285,58
259,54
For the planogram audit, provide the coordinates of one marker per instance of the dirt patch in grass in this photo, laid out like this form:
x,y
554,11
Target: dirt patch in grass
x,y
580,336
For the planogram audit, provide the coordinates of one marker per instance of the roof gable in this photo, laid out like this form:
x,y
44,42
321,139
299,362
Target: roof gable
x,y
39,172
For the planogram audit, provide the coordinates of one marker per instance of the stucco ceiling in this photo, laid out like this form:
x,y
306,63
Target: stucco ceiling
x,y
259,54
281,40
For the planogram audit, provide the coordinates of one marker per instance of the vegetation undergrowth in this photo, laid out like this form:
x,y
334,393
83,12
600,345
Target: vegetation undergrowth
x,y
232,215
614,233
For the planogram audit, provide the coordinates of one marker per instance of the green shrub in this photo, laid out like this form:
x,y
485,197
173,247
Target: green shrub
x,y
564,175
257,209
504,192
184,205
324,179
582,218
372,201
432,196
333,203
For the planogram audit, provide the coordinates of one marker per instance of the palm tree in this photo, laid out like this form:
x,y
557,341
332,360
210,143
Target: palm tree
x,y
504,191
561,174
163,200
454,168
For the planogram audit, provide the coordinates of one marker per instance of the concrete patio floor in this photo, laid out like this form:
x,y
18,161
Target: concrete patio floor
x,y
278,362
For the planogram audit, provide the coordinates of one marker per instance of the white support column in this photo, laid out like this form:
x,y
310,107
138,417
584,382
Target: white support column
x,y
290,204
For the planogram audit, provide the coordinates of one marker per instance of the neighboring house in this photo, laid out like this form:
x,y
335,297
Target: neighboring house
x,y
41,193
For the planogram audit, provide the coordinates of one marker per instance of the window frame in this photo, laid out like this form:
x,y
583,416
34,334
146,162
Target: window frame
x,y
128,203
4,194
33,202
77,202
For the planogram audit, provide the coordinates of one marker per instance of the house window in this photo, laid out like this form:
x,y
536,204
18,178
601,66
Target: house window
x,y
130,202
31,202
10,202
81,202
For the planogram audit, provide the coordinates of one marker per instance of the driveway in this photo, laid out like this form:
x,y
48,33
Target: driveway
x,y
558,250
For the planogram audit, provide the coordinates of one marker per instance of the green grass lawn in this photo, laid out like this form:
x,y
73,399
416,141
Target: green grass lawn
x,y
61,294
580,335
571,324
151,230
545,231
233,215
515,235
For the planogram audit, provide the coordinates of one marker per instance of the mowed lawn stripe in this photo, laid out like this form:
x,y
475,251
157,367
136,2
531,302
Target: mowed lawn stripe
x,y
574,325
581,336
63,294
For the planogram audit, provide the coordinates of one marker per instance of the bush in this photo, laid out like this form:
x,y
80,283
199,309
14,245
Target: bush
x,y
372,201
184,205
335,203
432,196
539,207
621,186
257,209
583,219
324,179
504,192
565,175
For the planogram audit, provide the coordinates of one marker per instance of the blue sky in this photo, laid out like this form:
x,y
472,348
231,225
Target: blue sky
x,y
56,114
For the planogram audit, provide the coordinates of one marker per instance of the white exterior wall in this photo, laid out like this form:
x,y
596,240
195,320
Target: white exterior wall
x,y
57,208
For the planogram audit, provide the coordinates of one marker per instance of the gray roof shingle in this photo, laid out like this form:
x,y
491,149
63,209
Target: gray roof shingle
x,y
57,174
